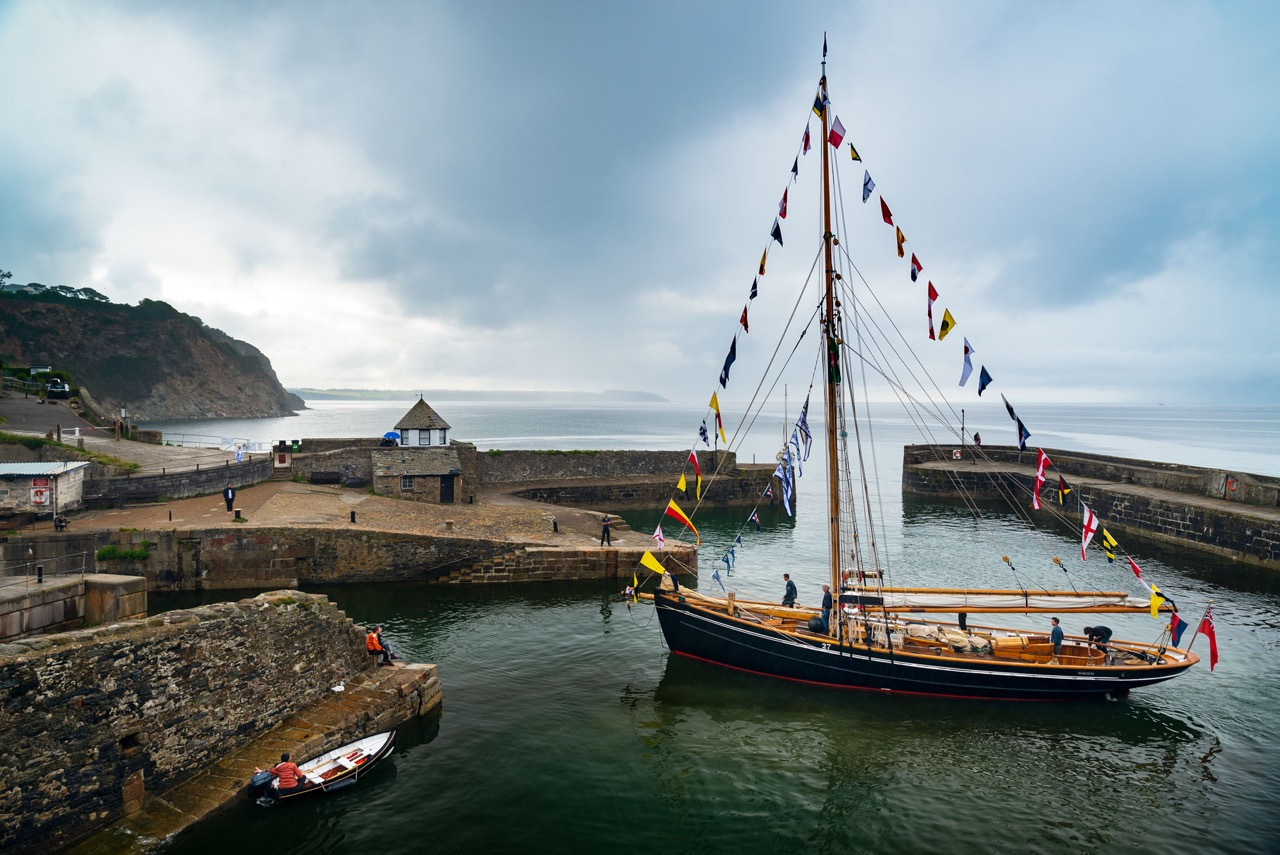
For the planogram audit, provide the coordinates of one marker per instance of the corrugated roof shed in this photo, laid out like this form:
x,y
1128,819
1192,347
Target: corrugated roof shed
x,y
22,470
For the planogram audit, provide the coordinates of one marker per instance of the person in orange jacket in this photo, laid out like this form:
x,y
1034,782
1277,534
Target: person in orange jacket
x,y
374,645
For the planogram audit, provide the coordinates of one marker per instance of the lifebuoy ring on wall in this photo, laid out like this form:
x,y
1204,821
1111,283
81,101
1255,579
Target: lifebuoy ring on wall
x,y
955,454
1231,485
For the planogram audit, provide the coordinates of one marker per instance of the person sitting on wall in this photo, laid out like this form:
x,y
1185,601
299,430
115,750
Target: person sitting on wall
x,y
61,523
289,776
386,646
373,643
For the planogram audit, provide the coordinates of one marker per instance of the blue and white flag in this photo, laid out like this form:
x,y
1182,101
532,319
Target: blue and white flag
x,y
716,576
867,186
968,363
802,425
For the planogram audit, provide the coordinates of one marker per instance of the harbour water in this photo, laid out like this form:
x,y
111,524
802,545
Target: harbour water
x,y
567,725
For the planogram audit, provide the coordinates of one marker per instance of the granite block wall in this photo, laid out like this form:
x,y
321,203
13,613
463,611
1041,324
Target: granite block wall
x,y
94,719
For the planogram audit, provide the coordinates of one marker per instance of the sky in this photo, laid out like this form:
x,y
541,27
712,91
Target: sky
x,y
573,195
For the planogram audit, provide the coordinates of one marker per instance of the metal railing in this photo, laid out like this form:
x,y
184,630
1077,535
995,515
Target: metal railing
x,y
37,570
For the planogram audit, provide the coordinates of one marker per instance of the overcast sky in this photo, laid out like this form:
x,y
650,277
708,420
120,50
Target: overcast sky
x,y
574,195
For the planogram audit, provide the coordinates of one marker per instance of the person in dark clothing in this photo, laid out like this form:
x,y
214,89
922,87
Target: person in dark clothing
x,y
604,530
826,608
230,495
1055,637
789,596
1099,635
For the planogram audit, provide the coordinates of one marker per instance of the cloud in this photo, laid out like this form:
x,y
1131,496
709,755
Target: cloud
x,y
514,195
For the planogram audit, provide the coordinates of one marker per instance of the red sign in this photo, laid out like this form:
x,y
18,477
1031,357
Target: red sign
x,y
39,482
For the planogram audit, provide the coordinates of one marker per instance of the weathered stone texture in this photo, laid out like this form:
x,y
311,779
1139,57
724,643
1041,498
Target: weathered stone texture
x,y
287,557
505,467
1206,519
94,717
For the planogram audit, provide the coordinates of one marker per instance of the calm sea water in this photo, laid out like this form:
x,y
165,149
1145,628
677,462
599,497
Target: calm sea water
x,y
566,726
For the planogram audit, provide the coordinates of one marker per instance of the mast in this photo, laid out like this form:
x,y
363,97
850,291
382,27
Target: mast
x,y
833,354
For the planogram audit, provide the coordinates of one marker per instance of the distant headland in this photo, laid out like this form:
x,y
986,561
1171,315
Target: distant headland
x,y
610,395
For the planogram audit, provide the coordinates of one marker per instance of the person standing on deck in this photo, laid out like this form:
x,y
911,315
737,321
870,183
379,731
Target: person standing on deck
x,y
1055,636
789,596
826,608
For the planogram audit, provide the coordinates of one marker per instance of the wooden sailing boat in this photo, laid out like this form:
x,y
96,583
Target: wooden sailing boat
x,y
885,638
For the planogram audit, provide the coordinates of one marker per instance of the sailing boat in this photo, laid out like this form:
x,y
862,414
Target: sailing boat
x,y
882,638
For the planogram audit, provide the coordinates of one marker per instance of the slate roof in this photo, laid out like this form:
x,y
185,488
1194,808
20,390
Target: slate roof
x,y
409,460
421,417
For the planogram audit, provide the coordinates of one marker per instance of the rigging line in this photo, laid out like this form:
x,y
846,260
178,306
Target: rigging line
x,y
998,483
739,429
900,391
875,466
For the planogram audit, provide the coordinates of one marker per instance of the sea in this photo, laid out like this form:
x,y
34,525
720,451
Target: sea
x,y
567,726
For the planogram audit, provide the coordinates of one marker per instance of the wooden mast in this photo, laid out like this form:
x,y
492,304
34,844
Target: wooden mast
x,y
832,393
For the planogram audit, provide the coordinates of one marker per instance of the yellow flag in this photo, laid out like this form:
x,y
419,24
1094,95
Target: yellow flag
x,y
652,563
1156,602
682,485
853,152
715,405
763,256
948,323
901,240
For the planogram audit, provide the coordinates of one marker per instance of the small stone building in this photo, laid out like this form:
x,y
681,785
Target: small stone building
x,y
427,465
42,489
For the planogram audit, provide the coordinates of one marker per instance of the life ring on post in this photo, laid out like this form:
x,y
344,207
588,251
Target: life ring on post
x,y
955,454
1231,485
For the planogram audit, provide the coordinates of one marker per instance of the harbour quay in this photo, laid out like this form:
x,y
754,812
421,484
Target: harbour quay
x,y
1234,515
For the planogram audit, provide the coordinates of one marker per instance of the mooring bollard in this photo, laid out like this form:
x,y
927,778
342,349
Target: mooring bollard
x,y
238,517
39,573
555,526
448,525
170,516
353,516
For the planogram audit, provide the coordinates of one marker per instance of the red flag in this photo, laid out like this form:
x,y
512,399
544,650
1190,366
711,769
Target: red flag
x,y
806,139
933,295
782,206
916,267
836,136
884,212
1090,526
697,471
743,320
1042,463
673,510
1206,627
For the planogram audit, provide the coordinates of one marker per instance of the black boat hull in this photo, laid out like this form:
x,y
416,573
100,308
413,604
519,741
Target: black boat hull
x,y
718,638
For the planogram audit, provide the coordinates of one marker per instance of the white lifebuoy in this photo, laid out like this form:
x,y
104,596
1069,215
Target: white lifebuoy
x,y
955,455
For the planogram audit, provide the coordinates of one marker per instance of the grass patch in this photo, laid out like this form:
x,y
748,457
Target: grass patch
x,y
35,443
120,553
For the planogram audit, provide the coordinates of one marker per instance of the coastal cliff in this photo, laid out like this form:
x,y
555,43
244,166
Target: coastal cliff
x,y
156,361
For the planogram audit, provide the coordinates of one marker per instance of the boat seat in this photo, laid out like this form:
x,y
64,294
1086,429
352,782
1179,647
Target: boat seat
x,y
345,763
314,778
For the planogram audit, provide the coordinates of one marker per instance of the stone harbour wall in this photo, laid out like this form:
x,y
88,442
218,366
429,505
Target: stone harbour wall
x,y
1233,531
505,467
288,557
95,719
742,488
